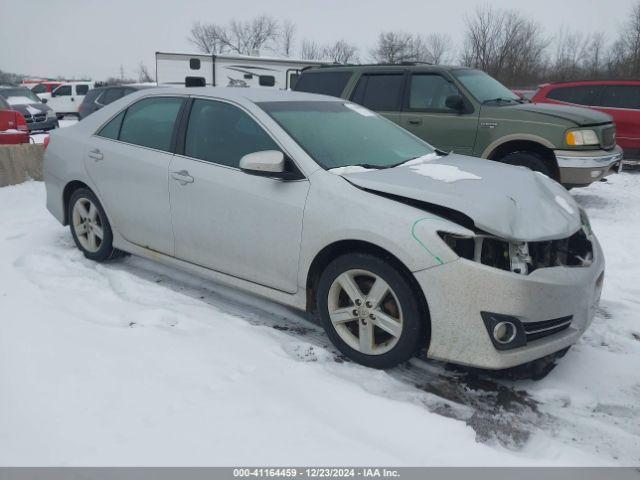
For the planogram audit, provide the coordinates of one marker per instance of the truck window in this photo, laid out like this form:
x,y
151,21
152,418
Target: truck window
x,y
621,96
580,95
82,89
330,83
379,91
40,88
194,63
63,91
267,80
429,92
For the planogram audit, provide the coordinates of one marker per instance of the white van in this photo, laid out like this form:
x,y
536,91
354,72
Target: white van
x,y
66,99
228,70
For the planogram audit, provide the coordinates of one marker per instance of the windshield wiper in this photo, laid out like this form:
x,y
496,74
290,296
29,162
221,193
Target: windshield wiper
x,y
501,100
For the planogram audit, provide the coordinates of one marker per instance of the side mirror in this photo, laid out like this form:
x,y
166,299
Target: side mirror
x,y
454,102
44,100
269,163
53,93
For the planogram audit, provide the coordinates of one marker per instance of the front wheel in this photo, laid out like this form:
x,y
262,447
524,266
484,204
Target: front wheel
x,y
370,311
90,227
530,160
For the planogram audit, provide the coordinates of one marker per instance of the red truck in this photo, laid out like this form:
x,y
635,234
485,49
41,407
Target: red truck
x,y
13,127
618,98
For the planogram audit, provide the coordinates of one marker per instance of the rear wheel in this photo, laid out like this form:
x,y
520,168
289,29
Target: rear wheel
x,y
370,311
531,160
90,227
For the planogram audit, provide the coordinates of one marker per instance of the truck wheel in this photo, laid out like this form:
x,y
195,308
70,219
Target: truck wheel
x,y
527,159
370,311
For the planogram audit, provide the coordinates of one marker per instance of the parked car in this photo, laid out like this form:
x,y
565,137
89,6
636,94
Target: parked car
x,y
66,98
324,205
467,111
13,128
99,97
38,115
620,99
43,89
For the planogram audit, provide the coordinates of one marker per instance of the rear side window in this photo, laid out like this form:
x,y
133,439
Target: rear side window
x,y
112,129
580,95
40,88
149,122
111,95
430,92
221,133
621,96
82,89
330,83
380,91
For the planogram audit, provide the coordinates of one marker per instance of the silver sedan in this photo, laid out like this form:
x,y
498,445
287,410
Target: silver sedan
x,y
325,206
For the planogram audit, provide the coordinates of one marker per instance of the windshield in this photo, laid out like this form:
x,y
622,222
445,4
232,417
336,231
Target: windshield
x,y
19,96
484,87
340,134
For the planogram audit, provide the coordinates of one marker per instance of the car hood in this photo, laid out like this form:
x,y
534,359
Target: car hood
x,y
31,108
578,115
510,202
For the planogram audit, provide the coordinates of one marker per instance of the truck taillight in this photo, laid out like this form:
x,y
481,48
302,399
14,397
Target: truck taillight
x,y
21,124
47,139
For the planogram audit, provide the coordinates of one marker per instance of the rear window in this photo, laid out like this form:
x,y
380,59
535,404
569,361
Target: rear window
x,y
621,96
580,95
324,83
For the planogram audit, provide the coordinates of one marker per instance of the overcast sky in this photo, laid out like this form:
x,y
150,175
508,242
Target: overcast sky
x,y
92,38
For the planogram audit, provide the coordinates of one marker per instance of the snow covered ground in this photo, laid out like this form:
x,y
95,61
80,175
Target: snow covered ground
x,y
132,363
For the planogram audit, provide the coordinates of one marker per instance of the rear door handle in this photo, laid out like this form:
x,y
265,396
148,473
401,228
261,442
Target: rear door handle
x,y
96,154
415,121
182,177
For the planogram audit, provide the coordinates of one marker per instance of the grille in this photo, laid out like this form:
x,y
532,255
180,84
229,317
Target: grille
x,y
536,330
609,137
38,117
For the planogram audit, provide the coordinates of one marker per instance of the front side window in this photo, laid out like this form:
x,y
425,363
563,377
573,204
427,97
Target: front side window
x,y
331,83
337,134
221,133
381,92
430,92
580,95
63,91
150,122
621,96
82,89
485,88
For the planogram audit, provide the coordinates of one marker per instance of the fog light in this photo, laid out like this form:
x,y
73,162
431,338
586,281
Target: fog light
x,y
596,173
504,332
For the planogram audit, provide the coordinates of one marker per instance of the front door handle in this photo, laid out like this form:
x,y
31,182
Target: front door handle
x,y
415,121
96,154
182,177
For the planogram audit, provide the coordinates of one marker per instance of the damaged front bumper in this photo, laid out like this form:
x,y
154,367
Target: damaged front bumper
x,y
553,307
579,168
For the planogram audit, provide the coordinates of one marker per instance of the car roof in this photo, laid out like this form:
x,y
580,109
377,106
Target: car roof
x,y
568,83
255,95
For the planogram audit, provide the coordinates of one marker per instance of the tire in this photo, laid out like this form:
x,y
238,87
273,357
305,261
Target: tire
x,y
90,227
345,321
531,160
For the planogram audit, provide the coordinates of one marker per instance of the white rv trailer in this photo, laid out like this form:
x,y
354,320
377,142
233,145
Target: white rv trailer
x,y
228,70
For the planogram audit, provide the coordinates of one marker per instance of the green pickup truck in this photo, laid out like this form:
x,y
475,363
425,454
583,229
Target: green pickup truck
x,y
467,111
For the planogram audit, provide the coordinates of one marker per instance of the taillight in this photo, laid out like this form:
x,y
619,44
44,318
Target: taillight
x,y
47,139
21,124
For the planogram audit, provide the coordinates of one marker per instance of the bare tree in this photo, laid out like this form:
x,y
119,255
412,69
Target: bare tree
x,y
242,37
143,74
627,47
439,47
505,44
311,50
341,52
287,37
393,47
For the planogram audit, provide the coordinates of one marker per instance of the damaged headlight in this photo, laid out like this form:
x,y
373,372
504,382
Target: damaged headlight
x,y
524,257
